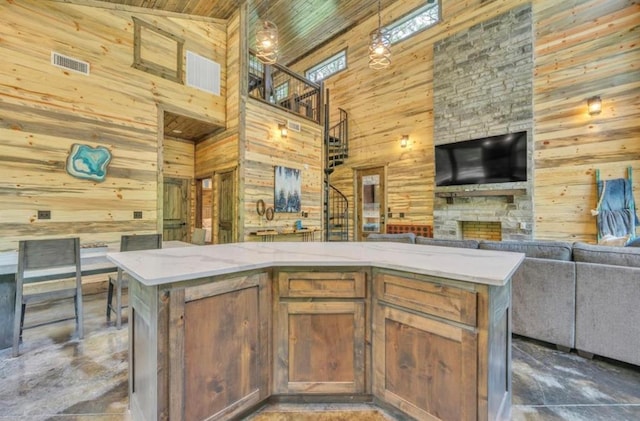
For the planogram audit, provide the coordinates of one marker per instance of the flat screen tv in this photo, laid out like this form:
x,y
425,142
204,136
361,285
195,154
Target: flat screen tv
x,y
495,159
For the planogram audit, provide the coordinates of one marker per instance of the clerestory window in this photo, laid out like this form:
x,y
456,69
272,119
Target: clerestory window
x,y
420,19
328,67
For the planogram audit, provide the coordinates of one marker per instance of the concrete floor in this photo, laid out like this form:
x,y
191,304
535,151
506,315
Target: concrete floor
x,y
58,378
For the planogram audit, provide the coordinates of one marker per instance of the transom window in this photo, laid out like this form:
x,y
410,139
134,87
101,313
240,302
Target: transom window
x,y
420,19
328,67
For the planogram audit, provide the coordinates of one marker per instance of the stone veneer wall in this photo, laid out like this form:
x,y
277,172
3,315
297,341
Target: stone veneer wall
x,y
483,86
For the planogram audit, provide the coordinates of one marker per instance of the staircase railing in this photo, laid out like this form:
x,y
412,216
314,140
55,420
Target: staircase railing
x,y
282,88
336,205
338,228
338,141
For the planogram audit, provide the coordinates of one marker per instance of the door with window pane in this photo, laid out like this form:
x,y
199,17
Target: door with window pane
x,y
371,202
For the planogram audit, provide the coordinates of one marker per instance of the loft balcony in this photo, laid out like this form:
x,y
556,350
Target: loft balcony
x,y
284,89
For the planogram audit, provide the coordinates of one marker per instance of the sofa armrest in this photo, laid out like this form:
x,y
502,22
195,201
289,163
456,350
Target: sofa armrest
x,y
608,311
543,297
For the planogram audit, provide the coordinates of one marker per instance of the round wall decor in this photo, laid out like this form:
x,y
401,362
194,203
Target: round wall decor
x,y
260,207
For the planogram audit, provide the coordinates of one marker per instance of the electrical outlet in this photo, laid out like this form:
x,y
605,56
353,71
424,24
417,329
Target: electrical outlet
x,y
389,215
401,214
44,214
523,225
137,214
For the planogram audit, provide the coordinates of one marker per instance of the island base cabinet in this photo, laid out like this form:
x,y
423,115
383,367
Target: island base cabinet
x,y
441,348
424,367
216,338
320,348
320,333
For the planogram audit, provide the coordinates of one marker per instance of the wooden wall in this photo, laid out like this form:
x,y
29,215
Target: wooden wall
x,y
263,149
582,48
45,109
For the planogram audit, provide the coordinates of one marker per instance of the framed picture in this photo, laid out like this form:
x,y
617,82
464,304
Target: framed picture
x,y
288,186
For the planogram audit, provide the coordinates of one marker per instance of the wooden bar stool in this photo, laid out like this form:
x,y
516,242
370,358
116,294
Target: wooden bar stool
x,y
47,260
121,280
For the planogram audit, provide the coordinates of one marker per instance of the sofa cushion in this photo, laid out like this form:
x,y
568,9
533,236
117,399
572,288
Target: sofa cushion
x,y
556,250
469,244
606,255
407,237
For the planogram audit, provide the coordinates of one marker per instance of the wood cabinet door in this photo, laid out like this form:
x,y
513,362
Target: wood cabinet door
x,y
320,347
426,367
219,335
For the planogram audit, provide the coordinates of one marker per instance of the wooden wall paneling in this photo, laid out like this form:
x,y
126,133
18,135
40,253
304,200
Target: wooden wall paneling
x,y
583,49
235,72
263,149
46,109
179,158
216,153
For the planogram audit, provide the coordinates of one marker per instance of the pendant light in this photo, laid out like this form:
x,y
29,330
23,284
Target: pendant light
x,y
379,51
267,40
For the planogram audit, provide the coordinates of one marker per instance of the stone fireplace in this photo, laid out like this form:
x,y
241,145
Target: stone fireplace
x,y
483,86
501,215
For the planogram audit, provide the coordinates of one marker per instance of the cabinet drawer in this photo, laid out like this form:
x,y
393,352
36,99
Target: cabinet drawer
x,y
428,297
322,284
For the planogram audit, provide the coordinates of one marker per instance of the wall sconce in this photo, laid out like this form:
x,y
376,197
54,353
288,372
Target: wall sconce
x,y
284,131
594,105
404,141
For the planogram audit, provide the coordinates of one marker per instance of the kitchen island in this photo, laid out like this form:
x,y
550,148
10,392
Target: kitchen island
x,y
216,331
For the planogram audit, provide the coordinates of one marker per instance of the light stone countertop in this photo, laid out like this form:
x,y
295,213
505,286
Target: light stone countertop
x,y
91,259
157,267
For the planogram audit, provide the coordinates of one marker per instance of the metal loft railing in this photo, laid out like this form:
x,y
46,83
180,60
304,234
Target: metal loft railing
x,y
284,89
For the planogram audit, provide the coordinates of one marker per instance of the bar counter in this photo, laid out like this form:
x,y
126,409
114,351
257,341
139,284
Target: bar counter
x,y
216,331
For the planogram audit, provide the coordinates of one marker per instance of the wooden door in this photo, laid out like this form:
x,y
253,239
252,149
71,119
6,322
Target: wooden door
x,y
226,207
371,202
175,209
204,206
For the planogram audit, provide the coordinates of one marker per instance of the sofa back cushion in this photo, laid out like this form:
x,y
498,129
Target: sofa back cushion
x,y
556,250
606,255
469,244
407,237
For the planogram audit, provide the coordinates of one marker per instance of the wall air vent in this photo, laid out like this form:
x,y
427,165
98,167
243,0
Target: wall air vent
x,y
202,73
294,125
69,63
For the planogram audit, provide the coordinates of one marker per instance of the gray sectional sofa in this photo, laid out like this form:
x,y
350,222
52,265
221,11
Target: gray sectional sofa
x,y
608,301
578,295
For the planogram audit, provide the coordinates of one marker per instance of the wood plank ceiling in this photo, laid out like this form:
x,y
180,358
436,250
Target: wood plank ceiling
x,y
303,25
